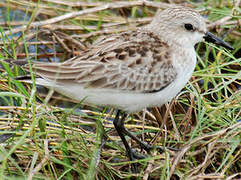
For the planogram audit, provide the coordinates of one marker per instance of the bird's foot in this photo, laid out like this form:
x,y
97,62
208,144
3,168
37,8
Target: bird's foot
x,y
137,155
160,149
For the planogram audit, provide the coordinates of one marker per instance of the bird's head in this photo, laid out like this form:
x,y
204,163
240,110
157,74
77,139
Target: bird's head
x,y
183,26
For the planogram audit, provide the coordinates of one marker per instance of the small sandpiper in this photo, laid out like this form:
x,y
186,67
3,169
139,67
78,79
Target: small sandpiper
x,y
132,70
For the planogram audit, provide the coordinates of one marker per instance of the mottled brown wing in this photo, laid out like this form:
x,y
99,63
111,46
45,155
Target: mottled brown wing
x,y
126,78
132,61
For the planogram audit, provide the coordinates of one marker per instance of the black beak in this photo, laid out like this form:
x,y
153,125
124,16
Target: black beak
x,y
209,37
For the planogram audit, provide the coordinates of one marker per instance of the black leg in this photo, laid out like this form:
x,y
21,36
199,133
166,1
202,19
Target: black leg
x,y
119,126
144,145
122,131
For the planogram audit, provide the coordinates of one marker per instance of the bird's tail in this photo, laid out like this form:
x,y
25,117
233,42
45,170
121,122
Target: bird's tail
x,y
20,63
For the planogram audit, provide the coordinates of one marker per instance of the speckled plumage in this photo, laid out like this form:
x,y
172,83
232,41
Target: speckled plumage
x,y
129,61
134,69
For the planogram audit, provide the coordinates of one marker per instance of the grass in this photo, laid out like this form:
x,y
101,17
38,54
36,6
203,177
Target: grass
x,y
47,136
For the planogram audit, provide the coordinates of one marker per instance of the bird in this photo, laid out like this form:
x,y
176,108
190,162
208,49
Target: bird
x,y
132,70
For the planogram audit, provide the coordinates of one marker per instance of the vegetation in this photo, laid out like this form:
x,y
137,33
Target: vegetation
x,y
46,136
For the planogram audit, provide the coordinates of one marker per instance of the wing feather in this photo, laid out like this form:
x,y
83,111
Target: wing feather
x,y
136,61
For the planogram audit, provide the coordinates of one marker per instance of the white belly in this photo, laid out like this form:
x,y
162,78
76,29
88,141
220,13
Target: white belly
x,y
127,101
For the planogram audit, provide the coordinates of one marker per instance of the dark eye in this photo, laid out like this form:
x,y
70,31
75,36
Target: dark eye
x,y
189,27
